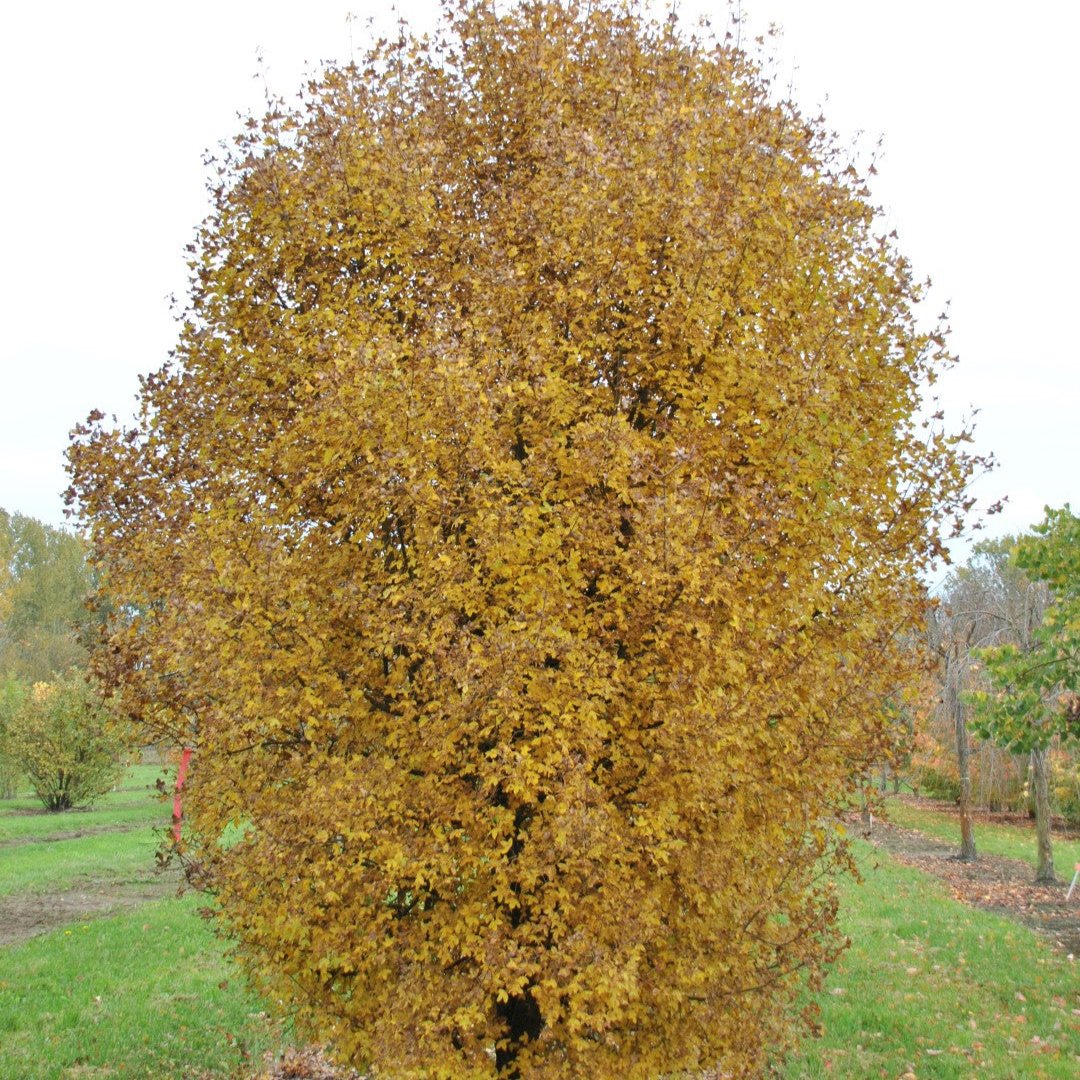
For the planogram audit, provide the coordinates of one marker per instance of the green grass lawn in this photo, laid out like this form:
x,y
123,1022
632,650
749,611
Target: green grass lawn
x,y
941,989
991,838
46,826
135,800
43,866
144,994
147,993
113,841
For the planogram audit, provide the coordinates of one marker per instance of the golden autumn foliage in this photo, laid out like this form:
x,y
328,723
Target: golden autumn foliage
x,y
521,536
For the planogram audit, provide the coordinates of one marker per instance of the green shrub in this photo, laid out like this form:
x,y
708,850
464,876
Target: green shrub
x,y
938,785
66,741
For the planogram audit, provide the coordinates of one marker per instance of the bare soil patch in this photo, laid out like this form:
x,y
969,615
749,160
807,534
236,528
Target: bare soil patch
x,y
993,882
25,915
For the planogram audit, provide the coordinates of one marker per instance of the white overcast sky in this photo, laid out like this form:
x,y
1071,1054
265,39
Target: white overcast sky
x,y
110,106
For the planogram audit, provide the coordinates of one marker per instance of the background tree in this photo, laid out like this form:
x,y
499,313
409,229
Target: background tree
x,y
988,601
44,583
951,638
524,536
1035,680
66,742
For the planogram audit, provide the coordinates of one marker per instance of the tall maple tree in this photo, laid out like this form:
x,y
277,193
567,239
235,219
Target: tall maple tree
x,y
521,536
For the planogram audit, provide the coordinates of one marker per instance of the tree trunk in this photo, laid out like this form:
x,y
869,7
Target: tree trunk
x,y
7,779
524,1023
1045,871
963,759
864,806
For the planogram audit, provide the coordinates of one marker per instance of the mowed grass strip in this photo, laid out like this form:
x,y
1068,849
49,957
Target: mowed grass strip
x,y
991,838
148,994
113,842
45,826
939,989
53,866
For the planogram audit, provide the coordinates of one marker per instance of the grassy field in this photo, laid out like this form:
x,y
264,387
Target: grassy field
x,y
135,802
114,841
147,994
939,989
929,986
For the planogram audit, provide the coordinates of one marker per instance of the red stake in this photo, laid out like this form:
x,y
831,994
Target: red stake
x,y
177,807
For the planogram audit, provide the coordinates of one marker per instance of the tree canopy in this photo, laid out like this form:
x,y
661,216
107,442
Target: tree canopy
x,y
1035,683
44,584
523,535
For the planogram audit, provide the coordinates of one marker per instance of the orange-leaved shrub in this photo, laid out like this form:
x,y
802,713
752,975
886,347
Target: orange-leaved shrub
x,y
522,535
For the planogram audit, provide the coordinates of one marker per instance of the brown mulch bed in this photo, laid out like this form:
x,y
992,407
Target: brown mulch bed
x,y
310,1063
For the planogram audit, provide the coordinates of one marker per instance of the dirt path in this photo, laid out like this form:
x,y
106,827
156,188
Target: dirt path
x,y
994,883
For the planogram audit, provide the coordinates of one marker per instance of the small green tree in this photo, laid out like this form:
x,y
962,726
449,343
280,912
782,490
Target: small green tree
x,y
1034,685
67,742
